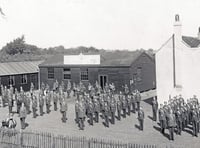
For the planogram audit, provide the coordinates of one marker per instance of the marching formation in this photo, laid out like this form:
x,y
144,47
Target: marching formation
x,y
178,115
92,102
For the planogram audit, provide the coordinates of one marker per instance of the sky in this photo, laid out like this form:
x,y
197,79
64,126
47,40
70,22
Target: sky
x,y
108,24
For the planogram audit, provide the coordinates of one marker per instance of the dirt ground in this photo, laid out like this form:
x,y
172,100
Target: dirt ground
x,y
124,130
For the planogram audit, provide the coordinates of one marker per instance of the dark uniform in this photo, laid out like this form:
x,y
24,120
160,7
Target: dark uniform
x,y
106,114
81,114
129,104
124,105
96,109
138,99
194,122
171,124
22,115
113,110
34,106
41,104
76,111
55,100
119,108
179,121
133,102
63,110
48,102
162,119
10,102
90,112
154,109
141,118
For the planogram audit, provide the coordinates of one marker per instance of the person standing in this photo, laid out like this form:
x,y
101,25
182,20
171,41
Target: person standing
x,y
141,118
34,106
113,110
124,106
96,109
133,101
41,103
63,110
162,119
138,99
48,101
154,108
194,121
81,114
55,100
90,111
22,115
119,108
106,113
171,122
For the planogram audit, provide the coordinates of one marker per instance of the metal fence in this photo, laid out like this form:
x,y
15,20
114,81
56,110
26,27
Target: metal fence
x,y
25,139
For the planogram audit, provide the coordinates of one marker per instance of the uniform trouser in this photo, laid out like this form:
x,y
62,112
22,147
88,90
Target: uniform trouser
x,y
124,112
55,106
90,118
138,105
76,117
162,126
129,109
18,108
10,109
48,108
22,123
119,114
34,112
184,123
141,123
64,116
154,115
133,107
171,133
194,123
74,93
97,116
113,117
179,127
41,110
106,120
81,123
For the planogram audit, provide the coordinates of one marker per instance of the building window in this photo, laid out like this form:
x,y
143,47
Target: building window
x,y
11,80
67,73
84,75
23,79
139,74
33,78
50,73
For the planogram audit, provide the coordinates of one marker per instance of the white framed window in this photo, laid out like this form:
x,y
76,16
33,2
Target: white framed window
x,y
23,79
67,73
11,80
84,75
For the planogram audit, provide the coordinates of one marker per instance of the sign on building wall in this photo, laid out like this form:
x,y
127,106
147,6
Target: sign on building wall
x,y
82,59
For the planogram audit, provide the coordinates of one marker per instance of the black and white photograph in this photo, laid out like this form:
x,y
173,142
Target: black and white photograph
x,y
99,74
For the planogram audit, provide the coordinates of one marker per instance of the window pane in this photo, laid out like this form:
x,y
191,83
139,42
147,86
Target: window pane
x,y
67,73
50,73
84,75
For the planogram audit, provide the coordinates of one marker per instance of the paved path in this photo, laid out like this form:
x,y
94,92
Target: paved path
x,y
124,130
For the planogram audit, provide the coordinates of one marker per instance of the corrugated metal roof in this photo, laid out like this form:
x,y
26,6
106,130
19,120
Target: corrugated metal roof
x,y
191,41
14,68
116,58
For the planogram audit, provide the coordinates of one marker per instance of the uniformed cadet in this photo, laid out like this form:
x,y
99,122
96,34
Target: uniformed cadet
x,y
34,106
22,115
74,89
10,102
179,120
113,110
5,96
68,88
119,107
138,99
141,118
77,110
106,113
32,89
90,112
124,105
194,121
55,100
171,124
96,109
129,104
133,101
41,103
27,103
19,102
126,90
48,101
81,114
63,110
162,119
154,108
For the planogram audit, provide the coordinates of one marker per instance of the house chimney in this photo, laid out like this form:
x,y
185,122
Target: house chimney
x,y
199,33
177,28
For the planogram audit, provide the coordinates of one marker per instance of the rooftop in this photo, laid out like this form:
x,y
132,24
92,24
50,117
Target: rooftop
x,y
15,68
111,58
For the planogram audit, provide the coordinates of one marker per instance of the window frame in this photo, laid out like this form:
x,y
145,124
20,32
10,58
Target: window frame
x,y
84,75
50,74
24,77
11,77
67,72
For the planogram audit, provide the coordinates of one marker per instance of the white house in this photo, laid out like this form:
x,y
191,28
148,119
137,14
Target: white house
x,y
178,65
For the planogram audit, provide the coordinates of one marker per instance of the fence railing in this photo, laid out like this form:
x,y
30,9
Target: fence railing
x,y
26,139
